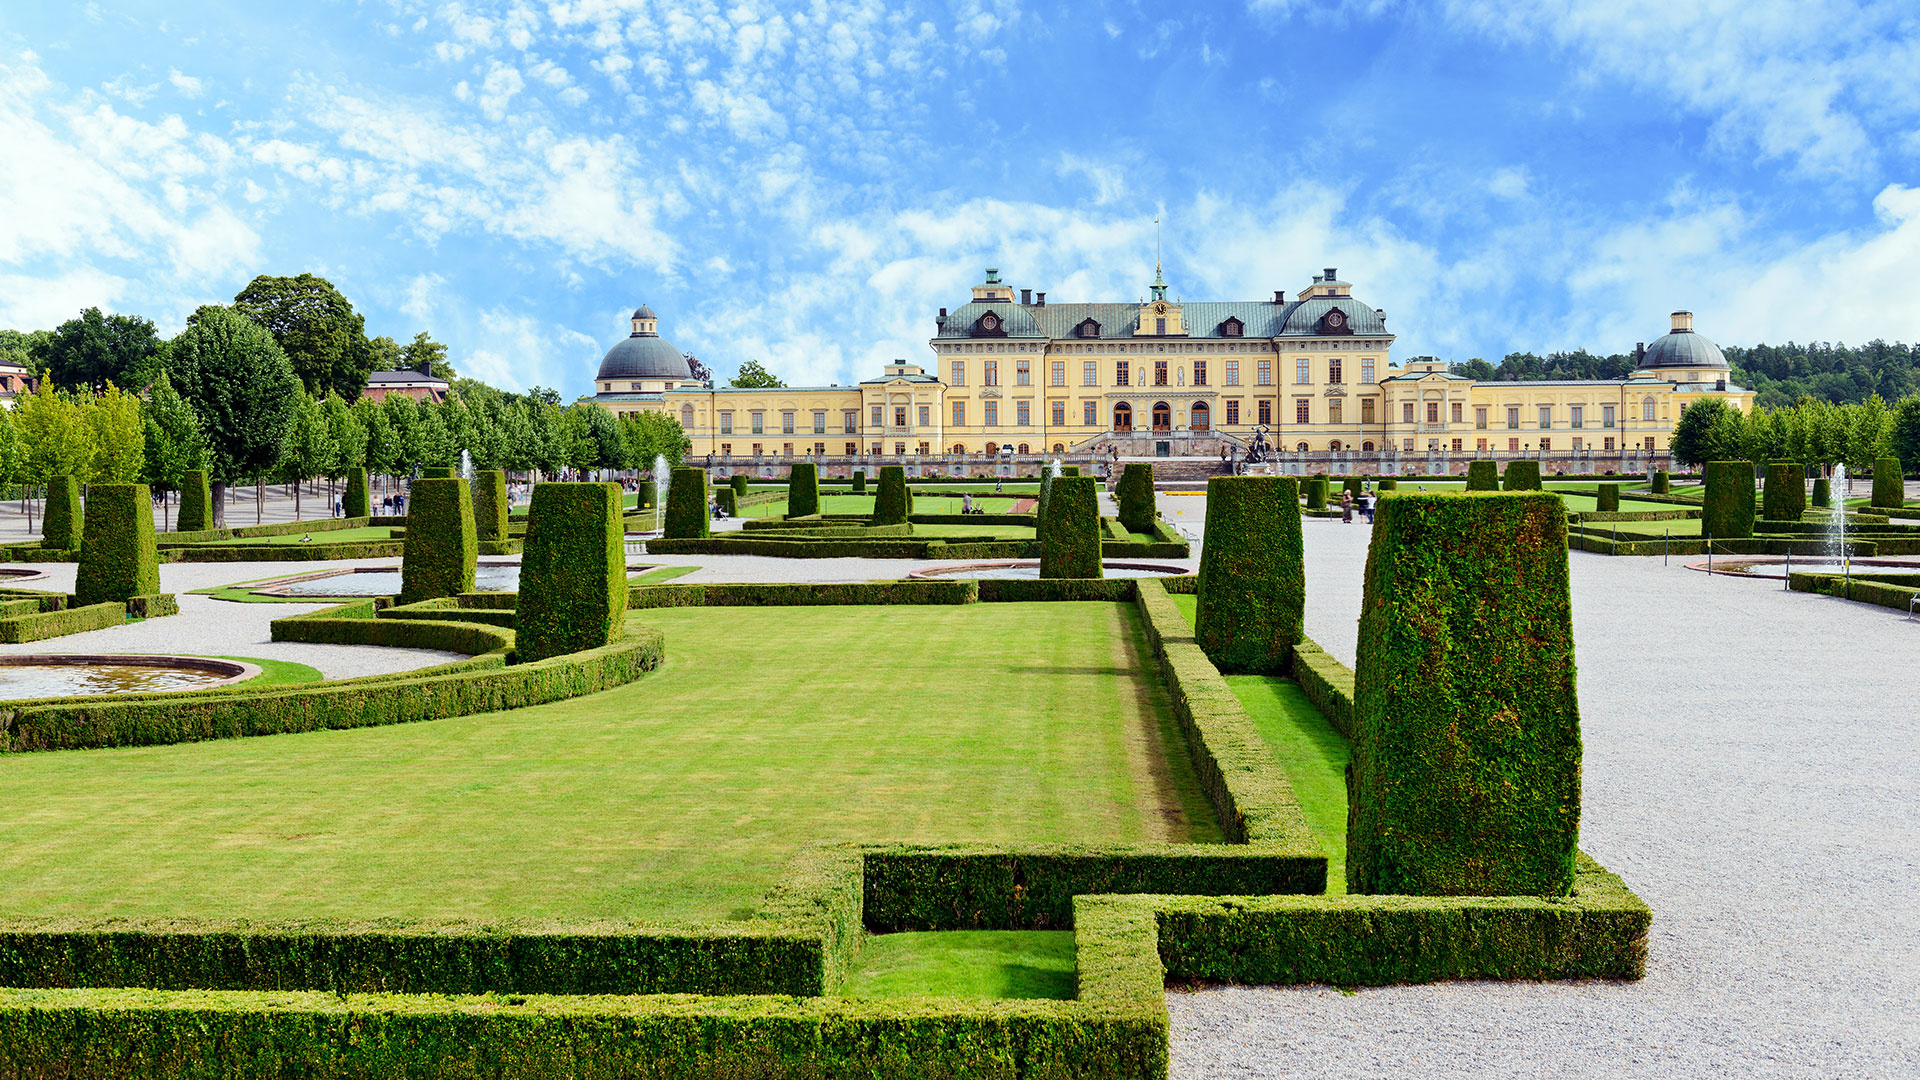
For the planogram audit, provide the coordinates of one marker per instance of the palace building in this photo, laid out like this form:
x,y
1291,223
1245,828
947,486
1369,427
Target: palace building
x,y
1163,377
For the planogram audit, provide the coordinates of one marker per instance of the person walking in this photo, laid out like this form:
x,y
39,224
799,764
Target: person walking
x,y
1366,506
1346,507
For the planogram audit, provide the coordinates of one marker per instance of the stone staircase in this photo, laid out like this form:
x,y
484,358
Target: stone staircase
x,y
1181,474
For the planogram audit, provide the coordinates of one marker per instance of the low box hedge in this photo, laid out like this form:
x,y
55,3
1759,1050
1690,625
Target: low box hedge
x,y
1326,682
973,519
118,560
573,577
223,553
60,521
1023,590
60,622
810,594
196,502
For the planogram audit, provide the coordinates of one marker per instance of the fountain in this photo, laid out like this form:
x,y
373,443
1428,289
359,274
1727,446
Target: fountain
x,y
1837,525
466,466
662,476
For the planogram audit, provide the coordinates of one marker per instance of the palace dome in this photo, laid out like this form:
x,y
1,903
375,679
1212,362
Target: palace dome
x,y
1683,348
644,355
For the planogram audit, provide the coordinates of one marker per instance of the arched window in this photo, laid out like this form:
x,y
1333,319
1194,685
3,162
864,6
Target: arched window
x,y
993,448
1123,417
1334,446
959,448
1162,416
1367,447
1302,448
1023,448
686,417
1198,416
1059,448
1646,409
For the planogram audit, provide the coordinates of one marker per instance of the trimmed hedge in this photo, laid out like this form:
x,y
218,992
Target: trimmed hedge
x,y
806,594
60,524
1859,589
489,505
219,553
803,489
1786,492
573,577
440,546
118,560
1134,493
438,472
890,505
646,495
1662,481
1521,476
739,485
1822,492
61,621
1353,487
729,502
1465,778
1316,492
686,515
1327,683
1026,590
358,502
859,481
1727,512
1070,530
1483,476
1389,484
196,503
1889,484
1252,593
1607,498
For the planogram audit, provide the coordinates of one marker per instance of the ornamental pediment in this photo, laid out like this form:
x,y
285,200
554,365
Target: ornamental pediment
x,y
1336,390
989,391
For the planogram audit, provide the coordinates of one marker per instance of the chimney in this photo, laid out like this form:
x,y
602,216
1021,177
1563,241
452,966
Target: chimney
x,y
1639,352
1279,296
1720,385
1026,297
1683,322
1043,299
1381,314
426,367
943,314
1332,274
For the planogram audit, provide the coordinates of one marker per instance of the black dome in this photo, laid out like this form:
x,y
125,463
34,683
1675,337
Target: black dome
x,y
644,356
1683,349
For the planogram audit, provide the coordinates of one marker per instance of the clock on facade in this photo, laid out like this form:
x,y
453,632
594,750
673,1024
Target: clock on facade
x,y
1160,308
1335,319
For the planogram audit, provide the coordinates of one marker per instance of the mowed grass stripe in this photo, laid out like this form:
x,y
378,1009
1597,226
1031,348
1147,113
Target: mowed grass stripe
x,y
675,800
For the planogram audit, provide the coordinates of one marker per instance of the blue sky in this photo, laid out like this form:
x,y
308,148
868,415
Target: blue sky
x,y
808,184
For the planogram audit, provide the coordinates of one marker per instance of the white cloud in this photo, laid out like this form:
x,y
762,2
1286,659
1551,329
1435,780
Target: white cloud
x,y
497,91
188,85
520,350
43,301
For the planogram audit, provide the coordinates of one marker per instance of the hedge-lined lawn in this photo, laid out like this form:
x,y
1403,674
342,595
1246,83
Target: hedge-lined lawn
x,y
863,504
965,964
1003,532
677,799
328,536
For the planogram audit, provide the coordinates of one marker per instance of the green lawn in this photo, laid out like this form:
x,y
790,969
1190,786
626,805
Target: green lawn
x,y
330,536
277,672
677,799
965,964
1004,532
863,504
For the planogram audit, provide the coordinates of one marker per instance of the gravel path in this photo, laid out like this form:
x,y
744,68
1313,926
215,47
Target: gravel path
x,y
1752,770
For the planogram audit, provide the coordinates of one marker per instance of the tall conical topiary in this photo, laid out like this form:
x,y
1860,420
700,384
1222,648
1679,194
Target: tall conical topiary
x,y
686,514
890,501
1521,476
803,490
490,504
118,560
1889,485
359,501
573,577
1134,493
1253,590
1607,498
196,503
1483,476
1785,498
1465,778
1070,531
441,549
60,526
1726,513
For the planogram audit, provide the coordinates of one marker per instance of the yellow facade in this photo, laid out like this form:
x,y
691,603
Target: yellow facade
x,y
1165,378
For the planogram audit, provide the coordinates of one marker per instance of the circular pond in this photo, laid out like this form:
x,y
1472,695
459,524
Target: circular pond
x,y
1776,567
75,675
1028,568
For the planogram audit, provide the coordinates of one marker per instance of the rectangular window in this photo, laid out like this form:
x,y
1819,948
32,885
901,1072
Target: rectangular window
x,y
1160,326
1233,373
853,449
759,421
1059,414
1480,446
1457,446
1579,444
850,421
922,449
899,416
1159,373
1480,417
1433,412
1606,418
900,448
786,422
1022,415
926,417
1302,410
786,449
1302,370
1366,370
1120,373
878,419
726,422
1089,413
1199,373
1023,373
1406,412
819,421
875,450
959,373
1546,444
1058,370
993,372
1546,416
1090,373
1406,445
1649,442
757,452
1233,412
1433,446
1577,415
959,414
1513,416
1455,414
1333,412
992,409
1608,443
1366,410
726,449
1333,370
1264,373
1513,446
1266,412
819,449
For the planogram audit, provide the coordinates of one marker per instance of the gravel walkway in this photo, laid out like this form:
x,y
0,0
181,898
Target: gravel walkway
x,y
1752,770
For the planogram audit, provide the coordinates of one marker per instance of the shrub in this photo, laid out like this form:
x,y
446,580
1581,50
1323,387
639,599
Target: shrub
x,y
729,503
859,481
1316,493
573,577
890,505
440,547
1465,779
196,502
1521,476
739,484
1483,476
59,622
686,516
1786,491
1661,482
803,490
60,526
1252,574
490,505
1134,493
118,560
1727,513
358,501
1822,491
1353,487
437,472
1389,484
1607,498
1070,531
1069,470
1889,485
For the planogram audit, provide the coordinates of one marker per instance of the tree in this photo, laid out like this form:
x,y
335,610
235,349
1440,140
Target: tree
x,y
310,449
382,454
323,337
385,354
55,439
88,352
1692,433
174,442
423,349
545,395
242,387
119,438
582,450
403,416
1476,369
701,372
349,436
1903,437
1867,434
9,448
432,440
753,376
653,434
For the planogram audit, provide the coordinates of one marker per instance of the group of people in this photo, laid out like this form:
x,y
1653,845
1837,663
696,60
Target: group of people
x,y
1364,504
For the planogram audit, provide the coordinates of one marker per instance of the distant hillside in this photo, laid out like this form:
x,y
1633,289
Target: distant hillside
x,y
1782,374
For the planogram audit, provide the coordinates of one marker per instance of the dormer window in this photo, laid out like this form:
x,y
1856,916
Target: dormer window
x,y
1232,328
1087,329
990,325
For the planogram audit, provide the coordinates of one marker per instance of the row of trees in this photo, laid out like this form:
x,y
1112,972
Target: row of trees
x,y
1810,431
1780,375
